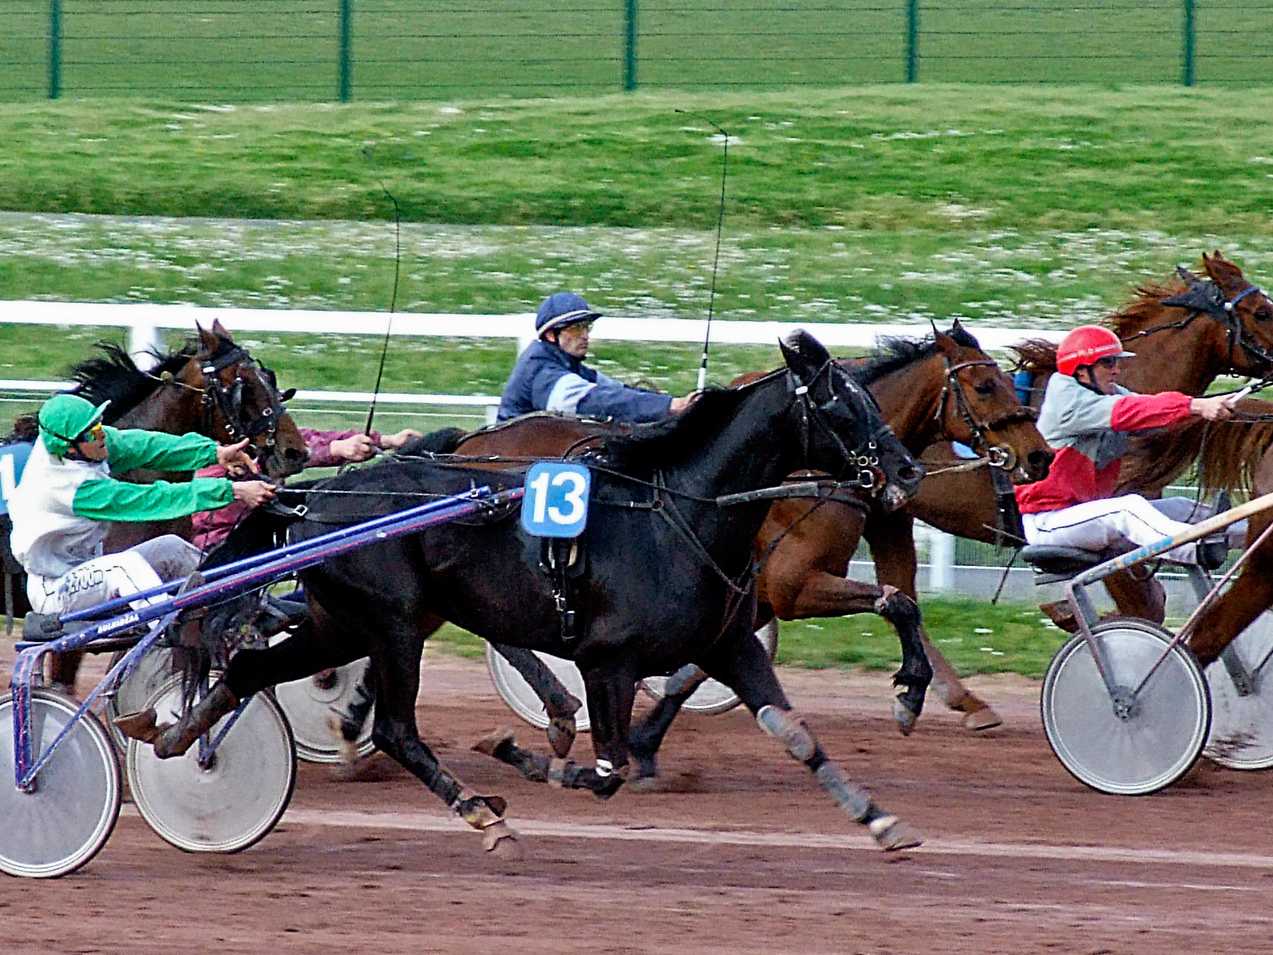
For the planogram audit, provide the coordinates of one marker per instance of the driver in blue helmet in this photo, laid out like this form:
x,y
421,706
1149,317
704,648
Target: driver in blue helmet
x,y
61,507
550,375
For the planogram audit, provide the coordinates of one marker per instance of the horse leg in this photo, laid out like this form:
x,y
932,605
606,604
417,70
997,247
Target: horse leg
x,y
744,667
1250,594
891,538
560,704
397,664
1136,593
610,696
63,669
646,737
823,594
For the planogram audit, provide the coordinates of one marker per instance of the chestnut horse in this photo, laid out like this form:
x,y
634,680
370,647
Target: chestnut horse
x,y
211,386
1185,332
1187,355
943,387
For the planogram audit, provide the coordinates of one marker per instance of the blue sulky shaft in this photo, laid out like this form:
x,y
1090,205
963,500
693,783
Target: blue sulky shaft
x,y
240,577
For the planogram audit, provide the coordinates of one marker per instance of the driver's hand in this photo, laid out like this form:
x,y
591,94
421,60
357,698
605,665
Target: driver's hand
x,y
228,455
253,493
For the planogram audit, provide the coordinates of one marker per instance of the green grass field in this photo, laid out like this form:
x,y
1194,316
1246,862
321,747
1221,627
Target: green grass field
x,y
1013,206
285,50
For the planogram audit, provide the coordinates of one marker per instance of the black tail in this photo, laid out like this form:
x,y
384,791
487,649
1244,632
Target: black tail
x,y
262,530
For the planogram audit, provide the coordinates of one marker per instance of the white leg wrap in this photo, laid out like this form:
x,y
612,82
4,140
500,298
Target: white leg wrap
x,y
789,730
684,680
852,799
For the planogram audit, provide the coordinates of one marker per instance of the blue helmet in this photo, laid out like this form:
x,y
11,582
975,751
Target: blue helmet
x,y
561,309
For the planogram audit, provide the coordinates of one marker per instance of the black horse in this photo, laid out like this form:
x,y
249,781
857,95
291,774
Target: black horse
x,y
665,577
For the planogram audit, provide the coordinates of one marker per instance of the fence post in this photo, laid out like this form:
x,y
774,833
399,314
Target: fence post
x,y
912,40
941,561
344,52
629,45
1189,37
55,48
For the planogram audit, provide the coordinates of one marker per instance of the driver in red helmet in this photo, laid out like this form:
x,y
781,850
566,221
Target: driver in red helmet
x,y
1086,416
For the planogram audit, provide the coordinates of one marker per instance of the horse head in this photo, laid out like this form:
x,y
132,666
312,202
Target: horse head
x,y
979,407
241,400
841,430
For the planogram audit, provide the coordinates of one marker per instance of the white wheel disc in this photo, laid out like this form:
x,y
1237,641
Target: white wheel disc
x,y
713,696
237,799
68,818
310,705
153,671
1242,725
521,699
1158,737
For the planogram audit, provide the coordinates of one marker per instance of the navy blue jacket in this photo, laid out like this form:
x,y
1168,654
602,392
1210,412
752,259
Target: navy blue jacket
x,y
548,379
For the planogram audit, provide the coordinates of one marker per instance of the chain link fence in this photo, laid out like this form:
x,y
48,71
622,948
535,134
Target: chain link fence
x,y
262,50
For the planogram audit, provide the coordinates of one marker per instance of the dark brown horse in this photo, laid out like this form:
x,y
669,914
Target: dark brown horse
x,y
211,386
946,386
1185,333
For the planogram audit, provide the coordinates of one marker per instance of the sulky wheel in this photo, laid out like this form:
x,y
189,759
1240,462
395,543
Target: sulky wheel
x,y
713,696
152,671
521,699
229,804
310,705
68,817
1242,700
1126,744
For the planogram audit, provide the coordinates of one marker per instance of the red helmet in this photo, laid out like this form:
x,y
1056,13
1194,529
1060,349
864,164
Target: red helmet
x,y
1086,345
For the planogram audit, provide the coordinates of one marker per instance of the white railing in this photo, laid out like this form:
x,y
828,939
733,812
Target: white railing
x,y
145,320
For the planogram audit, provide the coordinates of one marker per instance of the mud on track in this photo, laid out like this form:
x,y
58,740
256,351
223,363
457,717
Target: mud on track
x,y
749,857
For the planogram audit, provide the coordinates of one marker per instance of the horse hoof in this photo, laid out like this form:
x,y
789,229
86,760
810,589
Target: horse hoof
x,y
904,716
142,726
561,735
502,841
891,834
982,718
649,784
492,741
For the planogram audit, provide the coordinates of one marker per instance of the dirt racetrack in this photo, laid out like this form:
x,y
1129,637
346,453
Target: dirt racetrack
x,y
749,857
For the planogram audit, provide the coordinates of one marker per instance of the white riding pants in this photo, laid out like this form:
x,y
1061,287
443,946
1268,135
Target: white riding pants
x,y
1096,525
104,578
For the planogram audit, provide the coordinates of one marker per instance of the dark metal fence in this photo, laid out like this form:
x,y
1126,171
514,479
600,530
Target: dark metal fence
x,y
402,49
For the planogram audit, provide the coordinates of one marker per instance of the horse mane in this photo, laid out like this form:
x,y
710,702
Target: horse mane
x,y
1229,453
113,376
1037,355
894,354
442,441
660,442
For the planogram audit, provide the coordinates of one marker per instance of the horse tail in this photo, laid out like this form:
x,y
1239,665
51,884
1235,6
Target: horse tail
x,y
444,441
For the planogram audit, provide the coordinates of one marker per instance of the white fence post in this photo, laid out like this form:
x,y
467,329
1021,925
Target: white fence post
x,y
144,341
941,561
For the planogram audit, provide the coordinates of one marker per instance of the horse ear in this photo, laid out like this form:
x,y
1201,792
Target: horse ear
x,y
945,344
219,330
208,339
803,354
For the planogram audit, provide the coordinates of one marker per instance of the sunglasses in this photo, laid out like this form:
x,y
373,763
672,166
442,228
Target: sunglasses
x,y
91,434
1107,362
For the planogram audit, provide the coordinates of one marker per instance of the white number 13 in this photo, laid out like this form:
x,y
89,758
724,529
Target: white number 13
x,y
573,496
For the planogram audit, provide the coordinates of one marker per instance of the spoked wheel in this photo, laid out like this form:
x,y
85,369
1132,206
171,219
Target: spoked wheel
x,y
310,705
67,819
233,802
713,696
153,671
1242,700
1123,744
521,699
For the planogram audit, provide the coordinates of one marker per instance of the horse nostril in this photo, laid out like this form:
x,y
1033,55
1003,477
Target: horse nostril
x,y
1040,462
911,474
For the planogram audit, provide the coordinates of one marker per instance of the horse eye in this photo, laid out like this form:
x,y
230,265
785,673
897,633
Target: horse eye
x,y
986,387
1264,314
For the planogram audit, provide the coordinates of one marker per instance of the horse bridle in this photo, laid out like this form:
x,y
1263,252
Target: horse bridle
x,y
1205,297
227,401
997,455
865,457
